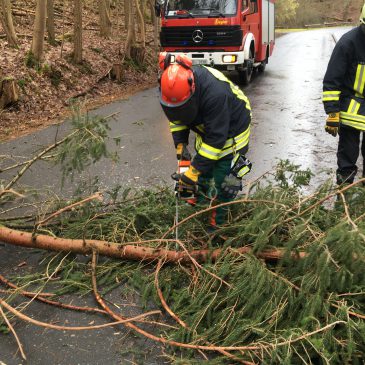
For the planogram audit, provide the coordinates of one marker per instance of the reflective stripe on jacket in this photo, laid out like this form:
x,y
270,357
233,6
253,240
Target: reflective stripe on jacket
x,y
344,81
222,126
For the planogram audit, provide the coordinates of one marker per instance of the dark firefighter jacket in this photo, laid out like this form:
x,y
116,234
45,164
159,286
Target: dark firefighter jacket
x,y
343,83
222,125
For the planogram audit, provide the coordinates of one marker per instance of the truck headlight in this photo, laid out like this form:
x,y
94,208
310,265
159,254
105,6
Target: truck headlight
x,y
229,58
172,58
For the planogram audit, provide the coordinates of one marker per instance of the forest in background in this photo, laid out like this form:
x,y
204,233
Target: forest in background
x,y
52,53
299,13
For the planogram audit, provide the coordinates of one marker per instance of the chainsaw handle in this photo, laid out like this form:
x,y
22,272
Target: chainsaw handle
x,y
176,177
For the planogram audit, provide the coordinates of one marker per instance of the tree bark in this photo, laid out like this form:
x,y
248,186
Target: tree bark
x,y
77,31
50,22
39,29
105,22
156,21
7,22
130,251
141,25
131,32
126,13
8,92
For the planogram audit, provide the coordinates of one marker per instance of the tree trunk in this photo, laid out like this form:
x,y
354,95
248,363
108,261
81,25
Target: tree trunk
x,y
156,21
131,32
8,92
78,31
7,22
50,22
39,29
126,13
130,251
141,25
116,72
152,11
105,22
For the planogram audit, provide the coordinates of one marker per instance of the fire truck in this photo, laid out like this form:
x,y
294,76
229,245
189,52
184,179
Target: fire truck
x,y
230,35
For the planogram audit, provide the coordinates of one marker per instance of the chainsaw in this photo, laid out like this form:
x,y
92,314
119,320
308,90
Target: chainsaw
x,y
185,193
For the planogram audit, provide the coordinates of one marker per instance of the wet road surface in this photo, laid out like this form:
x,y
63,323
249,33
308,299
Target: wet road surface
x,y
288,123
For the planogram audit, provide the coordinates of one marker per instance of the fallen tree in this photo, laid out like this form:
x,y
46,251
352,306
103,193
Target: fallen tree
x,y
285,285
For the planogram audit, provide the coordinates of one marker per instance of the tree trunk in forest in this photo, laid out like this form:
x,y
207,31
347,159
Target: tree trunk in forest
x,y
141,25
138,54
50,22
131,33
8,92
155,23
39,29
116,72
77,31
105,22
126,13
6,18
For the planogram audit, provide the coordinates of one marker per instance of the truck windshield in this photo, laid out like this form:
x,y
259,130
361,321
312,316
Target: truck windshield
x,y
198,8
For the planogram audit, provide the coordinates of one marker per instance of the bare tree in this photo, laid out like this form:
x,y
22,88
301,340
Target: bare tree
x,y
142,25
50,22
126,13
130,34
155,21
6,18
105,22
77,31
39,29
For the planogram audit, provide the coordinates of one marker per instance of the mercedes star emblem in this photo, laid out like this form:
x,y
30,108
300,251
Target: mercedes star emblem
x,y
198,36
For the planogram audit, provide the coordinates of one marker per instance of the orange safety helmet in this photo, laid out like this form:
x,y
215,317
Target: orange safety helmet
x,y
177,80
177,88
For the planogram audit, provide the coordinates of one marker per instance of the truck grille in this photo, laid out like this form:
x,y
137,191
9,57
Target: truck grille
x,y
211,36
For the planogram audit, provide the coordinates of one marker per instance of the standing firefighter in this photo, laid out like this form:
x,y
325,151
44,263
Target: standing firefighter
x,y
203,100
343,99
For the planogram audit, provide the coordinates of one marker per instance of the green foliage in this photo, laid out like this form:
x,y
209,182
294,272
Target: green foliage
x,y
86,145
31,62
288,174
290,311
285,10
52,73
4,328
22,83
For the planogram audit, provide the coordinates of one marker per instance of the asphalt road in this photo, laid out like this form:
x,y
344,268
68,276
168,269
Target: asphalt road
x,y
288,120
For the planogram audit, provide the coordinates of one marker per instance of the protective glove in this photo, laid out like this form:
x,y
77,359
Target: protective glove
x,y
182,152
186,183
231,185
189,178
332,124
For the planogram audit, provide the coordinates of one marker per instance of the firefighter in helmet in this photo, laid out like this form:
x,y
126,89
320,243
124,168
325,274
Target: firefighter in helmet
x,y
343,99
203,100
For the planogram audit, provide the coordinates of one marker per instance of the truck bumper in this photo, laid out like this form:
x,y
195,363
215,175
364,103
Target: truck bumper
x,y
223,60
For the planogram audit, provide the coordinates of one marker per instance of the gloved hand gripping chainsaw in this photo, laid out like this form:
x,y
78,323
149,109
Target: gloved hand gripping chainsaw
x,y
186,176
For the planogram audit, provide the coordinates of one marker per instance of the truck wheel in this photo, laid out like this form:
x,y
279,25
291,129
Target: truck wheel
x,y
245,75
262,66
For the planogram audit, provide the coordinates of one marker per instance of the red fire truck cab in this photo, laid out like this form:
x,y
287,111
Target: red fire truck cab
x,y
230,35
